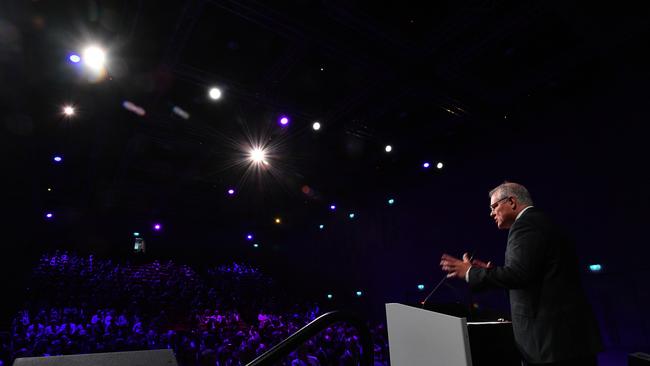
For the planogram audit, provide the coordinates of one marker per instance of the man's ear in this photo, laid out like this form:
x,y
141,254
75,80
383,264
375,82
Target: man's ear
x,y
514,203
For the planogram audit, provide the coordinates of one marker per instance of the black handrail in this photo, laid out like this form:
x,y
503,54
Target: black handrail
x,y
284,348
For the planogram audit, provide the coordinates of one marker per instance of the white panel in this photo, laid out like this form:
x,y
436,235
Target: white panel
x,y
418,337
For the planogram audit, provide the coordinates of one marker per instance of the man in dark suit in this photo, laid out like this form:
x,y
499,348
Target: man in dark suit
x,y
552,321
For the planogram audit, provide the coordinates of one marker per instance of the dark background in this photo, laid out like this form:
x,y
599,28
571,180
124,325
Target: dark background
x,y
552,95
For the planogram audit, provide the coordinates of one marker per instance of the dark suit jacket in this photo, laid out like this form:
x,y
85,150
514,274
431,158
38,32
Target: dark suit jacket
x,y
551,318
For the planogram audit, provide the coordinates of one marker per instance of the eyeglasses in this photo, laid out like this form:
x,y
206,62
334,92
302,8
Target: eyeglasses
x,y
496,204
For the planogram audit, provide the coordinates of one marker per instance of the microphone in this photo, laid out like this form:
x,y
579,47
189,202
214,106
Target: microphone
x,y
434,290
441,281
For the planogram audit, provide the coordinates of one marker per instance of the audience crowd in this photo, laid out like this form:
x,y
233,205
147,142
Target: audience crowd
x,y
224,315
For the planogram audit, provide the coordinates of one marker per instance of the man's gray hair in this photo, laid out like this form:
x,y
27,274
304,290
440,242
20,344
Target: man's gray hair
x,y
510,189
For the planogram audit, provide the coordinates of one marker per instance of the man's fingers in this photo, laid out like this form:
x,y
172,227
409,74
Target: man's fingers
x,y
448,257
446,263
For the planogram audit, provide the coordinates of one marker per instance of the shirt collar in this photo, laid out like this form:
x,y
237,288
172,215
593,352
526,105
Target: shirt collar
x,y
522,212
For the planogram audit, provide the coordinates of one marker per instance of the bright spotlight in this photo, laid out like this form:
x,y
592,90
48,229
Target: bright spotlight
x,y
94,57
49,215
389,148
74,58
391,201
231,192
278,220
426,165
316,126
359,293
595,267
258,155
439,165
284,121
214,93
58,159
420,287
68,110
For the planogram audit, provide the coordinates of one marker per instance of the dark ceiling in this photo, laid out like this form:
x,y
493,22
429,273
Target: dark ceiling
x,y
439,81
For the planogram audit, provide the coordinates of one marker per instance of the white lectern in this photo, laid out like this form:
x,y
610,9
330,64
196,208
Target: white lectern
x,y
418,337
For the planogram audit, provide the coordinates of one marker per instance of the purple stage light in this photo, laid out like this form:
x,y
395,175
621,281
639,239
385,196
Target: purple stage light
x,y
231,191
332,207
284,120
49,215
249,237
426,165
58,159
157,227
130,106
74,58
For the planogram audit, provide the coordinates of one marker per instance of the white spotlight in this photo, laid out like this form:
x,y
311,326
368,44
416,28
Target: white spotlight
x,y
439,165
68,110
389,148
94,57
214,93
181,112
134,108
258,155
316,126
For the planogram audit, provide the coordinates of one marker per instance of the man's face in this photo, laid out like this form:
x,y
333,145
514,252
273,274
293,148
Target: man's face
x,y
502,210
